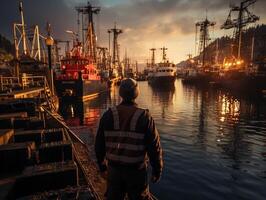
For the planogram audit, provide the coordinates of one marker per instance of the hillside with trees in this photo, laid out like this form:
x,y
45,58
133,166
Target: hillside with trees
x,y
227,47
6,50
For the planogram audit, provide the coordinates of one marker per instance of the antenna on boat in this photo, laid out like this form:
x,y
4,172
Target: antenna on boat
x,y
164,49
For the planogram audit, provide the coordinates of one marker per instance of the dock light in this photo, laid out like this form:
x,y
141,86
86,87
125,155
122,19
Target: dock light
x,y
238,62
49,41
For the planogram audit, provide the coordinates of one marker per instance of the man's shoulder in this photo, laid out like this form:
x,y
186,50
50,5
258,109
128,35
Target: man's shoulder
x,y
145,113
107,113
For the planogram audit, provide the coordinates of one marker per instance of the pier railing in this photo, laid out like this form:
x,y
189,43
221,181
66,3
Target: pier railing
x,y
27,86
8,82
15,83
79,147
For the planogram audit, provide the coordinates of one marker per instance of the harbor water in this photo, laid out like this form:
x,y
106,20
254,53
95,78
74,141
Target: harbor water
x,y
214,144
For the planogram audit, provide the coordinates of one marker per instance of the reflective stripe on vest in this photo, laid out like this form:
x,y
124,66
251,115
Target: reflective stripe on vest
x,y
134,119
125,159
132,135
116,118
139,147
125,146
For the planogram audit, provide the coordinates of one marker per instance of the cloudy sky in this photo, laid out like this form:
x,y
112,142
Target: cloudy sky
x,y
146,23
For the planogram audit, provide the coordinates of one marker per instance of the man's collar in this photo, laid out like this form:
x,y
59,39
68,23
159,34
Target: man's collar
x,y
128,103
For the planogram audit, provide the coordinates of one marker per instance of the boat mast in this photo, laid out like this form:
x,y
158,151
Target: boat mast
x,y
245,17
164,49
90,41
204,38
152,56
217,52
116,32
252,48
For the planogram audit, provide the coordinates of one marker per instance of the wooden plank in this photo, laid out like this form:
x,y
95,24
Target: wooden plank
x,y
22,93
12,115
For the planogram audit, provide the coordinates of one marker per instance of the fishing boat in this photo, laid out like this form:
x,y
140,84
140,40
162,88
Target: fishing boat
x,y
245,79
79,77
164,73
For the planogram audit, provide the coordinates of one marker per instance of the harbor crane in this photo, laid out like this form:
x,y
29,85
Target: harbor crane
x,y
28,42
245,17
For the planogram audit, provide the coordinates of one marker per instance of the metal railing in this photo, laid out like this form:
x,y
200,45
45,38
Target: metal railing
x,y
9,84
74,139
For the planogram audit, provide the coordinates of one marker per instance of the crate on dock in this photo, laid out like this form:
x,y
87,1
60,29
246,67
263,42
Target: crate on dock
x,y
53,135
55,152
6,135
15,156
29,135
46,177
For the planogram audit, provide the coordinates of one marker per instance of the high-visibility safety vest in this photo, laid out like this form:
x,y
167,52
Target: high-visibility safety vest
x,y
125,147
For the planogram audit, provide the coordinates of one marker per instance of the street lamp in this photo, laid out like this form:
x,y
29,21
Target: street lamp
x,y
49,43
74,35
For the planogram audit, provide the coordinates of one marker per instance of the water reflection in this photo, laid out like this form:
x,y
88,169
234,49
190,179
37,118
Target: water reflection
x,y
214,143
231,129
87,113
164,96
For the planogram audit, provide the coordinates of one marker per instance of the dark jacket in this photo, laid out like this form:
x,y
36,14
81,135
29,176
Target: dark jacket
x,y
145,124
